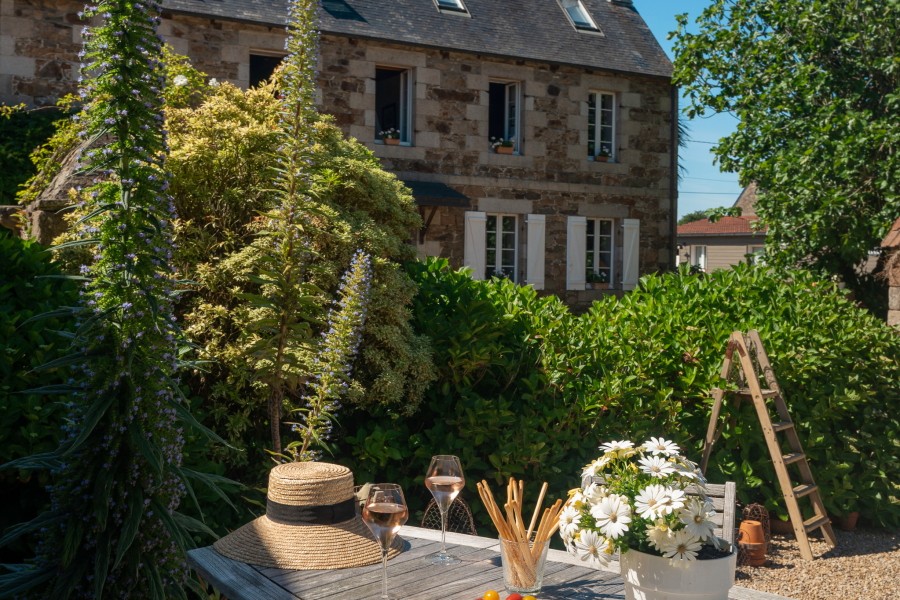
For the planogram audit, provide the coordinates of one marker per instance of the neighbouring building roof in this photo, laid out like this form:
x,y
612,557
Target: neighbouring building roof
x,y
724,226
747,200
892,239
529,29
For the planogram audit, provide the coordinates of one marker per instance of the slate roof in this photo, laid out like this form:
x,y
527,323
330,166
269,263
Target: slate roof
x,y
528,29
724,226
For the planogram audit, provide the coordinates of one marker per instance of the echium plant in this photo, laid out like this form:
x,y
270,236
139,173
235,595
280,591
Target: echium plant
x,y
333,365
112,528
287,303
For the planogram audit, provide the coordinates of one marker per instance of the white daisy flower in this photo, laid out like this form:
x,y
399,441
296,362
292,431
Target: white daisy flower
x,y
651,500
595,467
661,446
656,466
613,515
568,522
658,534
673,501
695,515
621,448
592,548
179,81
595,493
681,545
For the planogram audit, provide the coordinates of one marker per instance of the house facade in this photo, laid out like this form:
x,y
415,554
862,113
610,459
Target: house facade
x,y
578,198
709,246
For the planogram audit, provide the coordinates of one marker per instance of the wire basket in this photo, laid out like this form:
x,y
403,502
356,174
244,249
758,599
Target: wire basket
x,y
459,517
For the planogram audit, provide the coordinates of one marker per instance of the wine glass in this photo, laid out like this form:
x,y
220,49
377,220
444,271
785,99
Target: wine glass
x,y
444,480
384,513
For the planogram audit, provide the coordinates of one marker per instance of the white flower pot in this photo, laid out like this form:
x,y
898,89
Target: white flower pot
x,y
649,577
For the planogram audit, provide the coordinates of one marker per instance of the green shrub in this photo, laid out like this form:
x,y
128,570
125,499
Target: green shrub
x,y
21,132
29,423
529,390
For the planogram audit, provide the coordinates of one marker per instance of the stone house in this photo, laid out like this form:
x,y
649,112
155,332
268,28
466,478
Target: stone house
x,y
581,195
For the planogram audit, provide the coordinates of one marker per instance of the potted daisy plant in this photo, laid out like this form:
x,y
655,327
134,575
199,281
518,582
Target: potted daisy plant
x,y
648,503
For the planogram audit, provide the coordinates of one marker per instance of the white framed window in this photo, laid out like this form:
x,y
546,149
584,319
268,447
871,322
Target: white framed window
x,y
456,5
602,126
756,255
578,16
504,112
393,103
501,236
599,245
698,258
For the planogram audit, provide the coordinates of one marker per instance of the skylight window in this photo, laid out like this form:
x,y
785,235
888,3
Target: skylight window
x,y
451,5
578,15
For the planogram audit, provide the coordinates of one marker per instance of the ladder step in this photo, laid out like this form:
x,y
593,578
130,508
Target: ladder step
x,y
782,426
765,393
804,489
793,457
815,522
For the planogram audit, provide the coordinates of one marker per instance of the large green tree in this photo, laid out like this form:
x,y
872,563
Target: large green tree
x,y
814,85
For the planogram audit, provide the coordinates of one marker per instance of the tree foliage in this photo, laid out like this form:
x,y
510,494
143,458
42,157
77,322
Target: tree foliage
x,y
815,86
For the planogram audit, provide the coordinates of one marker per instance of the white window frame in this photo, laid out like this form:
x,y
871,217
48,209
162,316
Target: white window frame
x,y
511,115
451,5
490,269
588,23
406,102
596,143
593,251
756,254
699,257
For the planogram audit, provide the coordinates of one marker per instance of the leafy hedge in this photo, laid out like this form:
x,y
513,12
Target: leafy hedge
x,y
527,389
21,131
29,423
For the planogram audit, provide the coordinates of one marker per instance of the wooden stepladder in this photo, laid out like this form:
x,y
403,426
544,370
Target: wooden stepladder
x,y
752,360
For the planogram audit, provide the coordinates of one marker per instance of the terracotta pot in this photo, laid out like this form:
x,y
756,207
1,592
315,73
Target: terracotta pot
x,y
504,149
847,522
781,527
602,159
753,555
752,533
392,141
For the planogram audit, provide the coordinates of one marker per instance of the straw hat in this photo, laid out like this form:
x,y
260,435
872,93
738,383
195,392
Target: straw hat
x,y
311,522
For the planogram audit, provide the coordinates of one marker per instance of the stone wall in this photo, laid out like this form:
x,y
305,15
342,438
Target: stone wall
x,y
39,41
552,176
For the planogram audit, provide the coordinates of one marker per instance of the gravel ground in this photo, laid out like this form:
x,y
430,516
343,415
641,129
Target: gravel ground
x,y
865,565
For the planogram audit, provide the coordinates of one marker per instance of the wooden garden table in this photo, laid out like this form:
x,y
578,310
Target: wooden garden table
x,y
410,577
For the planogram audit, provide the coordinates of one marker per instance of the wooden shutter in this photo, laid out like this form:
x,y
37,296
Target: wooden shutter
x,y
534,268
631,243
576,238
473,251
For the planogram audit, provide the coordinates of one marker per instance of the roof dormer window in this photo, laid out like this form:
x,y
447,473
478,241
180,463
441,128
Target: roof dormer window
x,y
454,5
578,15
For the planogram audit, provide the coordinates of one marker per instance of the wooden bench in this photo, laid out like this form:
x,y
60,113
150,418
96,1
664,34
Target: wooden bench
x,y
723,497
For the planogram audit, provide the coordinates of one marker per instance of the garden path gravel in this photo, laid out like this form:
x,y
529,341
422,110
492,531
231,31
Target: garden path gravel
x,y
865,565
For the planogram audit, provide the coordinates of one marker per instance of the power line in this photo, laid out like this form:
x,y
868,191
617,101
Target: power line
x,y
704,179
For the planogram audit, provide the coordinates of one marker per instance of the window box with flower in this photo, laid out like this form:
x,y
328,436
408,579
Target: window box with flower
x,y
391,136
604,154
652,508
597,280
503,146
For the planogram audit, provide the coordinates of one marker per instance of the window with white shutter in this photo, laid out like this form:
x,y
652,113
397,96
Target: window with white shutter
x,y
576,246
631,243
474,249
534,268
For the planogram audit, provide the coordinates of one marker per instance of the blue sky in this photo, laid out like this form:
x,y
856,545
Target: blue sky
x,y
703,186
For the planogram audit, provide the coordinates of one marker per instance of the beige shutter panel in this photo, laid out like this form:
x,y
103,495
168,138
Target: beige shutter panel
x,y
631,243
534,268
576,238
473,252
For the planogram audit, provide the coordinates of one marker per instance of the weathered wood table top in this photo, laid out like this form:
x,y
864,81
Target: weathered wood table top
x,y
410,577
